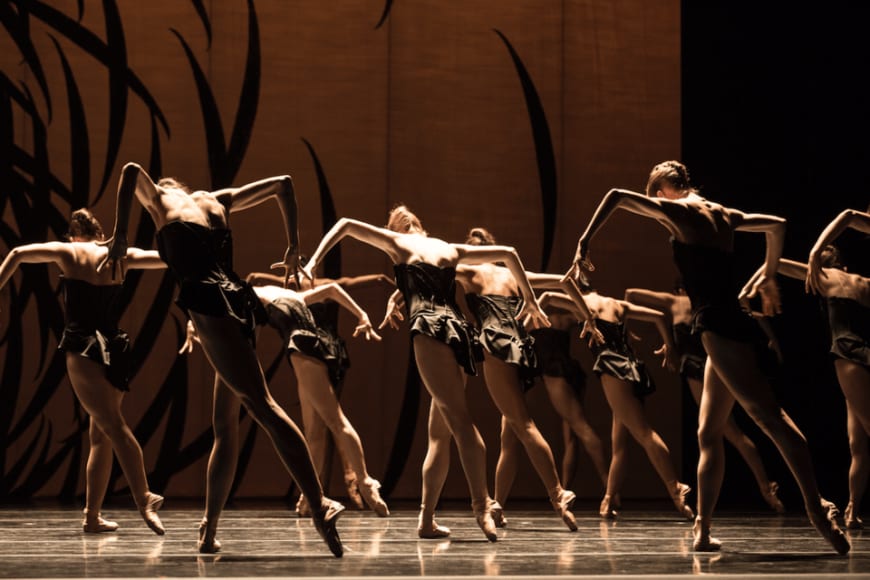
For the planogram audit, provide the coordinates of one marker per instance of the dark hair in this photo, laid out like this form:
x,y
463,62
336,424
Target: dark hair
x,y
171,182
583,282
403,220
830,257
83,224
672,173
480,237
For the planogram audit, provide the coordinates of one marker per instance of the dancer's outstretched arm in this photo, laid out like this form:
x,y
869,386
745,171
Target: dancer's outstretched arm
x,y
336,293
381,238
662,301
660,319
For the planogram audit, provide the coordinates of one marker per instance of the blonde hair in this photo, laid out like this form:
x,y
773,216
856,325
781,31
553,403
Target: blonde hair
x,y
404,221
172,183
480,237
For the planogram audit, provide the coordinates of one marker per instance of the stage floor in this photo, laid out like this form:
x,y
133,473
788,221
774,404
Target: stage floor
x,y
47,543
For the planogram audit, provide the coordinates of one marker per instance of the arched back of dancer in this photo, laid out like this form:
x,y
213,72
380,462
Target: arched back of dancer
x,y
625,382
97,358
337,360
425,269
693,358
703,244
194,239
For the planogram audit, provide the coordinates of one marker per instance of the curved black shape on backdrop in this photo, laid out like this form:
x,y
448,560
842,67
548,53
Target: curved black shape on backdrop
x,y
328,216
18,28
407,424
203,17
543,151
388,5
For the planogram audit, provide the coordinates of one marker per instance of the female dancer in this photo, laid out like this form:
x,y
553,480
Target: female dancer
x,y
337,361
96,356
625,382
194,239
703,239
425,273
509,367
692,357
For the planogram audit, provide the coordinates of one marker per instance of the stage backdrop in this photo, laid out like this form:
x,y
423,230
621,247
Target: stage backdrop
x,y
517,116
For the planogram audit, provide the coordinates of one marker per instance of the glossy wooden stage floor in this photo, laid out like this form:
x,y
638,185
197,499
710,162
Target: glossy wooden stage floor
x,y
644,542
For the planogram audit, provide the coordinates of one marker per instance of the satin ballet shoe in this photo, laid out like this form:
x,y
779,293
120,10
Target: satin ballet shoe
x,y
562,504
149,513
303,510
771,498
498,516
207,544
607,508
851,519
325,523
679,498
485,520
428,529
702,541
369,491
97,525
828,528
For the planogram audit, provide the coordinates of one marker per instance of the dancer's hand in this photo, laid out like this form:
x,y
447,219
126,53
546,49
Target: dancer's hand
x,y
532,315
292,267
769,291
590,330
189,339
365,328
668,361
394,315
815,273
116,257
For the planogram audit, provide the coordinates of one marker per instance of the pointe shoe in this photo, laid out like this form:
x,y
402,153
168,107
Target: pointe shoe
x,y
702,540
828,527
607,508
369,491
303,510
353,494
149,513
207,544
324,522
851,519
771,498
97,525
498,516
485,520
679,498
428,529
562,504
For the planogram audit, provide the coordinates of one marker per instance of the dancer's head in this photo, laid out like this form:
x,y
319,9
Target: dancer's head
x,y
830,257
404,221
480,237
84,227
172,183
583,283
669,179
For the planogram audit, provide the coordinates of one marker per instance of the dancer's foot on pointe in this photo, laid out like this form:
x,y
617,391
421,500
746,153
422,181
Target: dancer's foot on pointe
x,y
153,502
324,522
607,509
428,529
485,519
498,516
95,524
851,519
823,518
771,498
368,489
303,510
353,495
562,504
702,541
679,495
207,544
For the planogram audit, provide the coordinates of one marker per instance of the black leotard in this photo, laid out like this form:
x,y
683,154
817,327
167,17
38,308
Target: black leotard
x,y
850,330
201,258
326,318
553,350
429,293
295,323
502,335
709,279
616,358
693,357
91,315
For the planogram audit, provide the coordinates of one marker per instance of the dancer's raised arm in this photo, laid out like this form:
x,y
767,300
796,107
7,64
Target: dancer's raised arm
x,y
333,291
381,238
850,218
